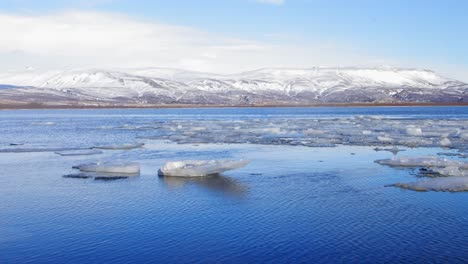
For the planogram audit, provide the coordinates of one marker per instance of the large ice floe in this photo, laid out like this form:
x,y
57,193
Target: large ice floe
x,y
106,171
199,168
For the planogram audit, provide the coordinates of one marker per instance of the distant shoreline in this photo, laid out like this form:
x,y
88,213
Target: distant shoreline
x,y
36,106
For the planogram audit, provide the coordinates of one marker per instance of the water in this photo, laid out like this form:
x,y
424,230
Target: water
x,y
290,204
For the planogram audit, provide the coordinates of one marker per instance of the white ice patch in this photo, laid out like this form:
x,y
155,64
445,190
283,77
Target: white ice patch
x,y
199,168
119,168
79,152
121,146
414,131
445,142
445,184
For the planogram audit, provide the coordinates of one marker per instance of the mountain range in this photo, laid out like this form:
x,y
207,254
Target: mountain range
x,y
268,86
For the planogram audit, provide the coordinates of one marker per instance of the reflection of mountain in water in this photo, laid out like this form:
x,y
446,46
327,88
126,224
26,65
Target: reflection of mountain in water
x,y
218,183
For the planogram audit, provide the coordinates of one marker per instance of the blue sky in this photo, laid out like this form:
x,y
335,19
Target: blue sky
x,y
415,33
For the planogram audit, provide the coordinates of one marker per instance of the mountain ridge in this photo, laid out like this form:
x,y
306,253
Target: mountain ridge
x,y
166,86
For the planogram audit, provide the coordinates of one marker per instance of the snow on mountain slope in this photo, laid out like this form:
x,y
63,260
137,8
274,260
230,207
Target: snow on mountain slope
x,y
318,84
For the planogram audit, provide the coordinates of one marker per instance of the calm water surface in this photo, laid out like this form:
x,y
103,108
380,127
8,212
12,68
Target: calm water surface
x,y
290,204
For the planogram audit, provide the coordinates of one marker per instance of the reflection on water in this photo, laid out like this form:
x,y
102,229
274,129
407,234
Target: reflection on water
x,y
103,176
217,182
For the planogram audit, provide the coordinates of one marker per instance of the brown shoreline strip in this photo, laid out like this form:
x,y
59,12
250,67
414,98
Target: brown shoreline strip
x,y
151,106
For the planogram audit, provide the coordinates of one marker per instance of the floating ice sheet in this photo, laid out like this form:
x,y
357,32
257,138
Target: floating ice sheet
x,y
117,168
199,168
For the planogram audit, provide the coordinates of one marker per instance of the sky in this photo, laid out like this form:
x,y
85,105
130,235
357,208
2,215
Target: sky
x,y
231,36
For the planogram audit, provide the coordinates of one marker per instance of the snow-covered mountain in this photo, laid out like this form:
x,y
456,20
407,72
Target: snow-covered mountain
x,y
263,86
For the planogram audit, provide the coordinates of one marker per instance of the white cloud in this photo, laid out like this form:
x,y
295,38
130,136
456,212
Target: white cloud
x,y
96,39
272,2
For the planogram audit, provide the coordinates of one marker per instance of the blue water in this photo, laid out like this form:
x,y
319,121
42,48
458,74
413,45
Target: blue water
x,y
290,204
239,113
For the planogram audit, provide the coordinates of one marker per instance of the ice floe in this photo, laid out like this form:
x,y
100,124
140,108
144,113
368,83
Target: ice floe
x,y
38,149
451,171
445,142
199,168
447,175
429,161
414,131
117,168
79,152
445,184
120,146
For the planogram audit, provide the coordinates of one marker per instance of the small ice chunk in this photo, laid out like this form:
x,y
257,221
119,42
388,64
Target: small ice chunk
x,y
429,161
126,168
445,184
385,139
79,152
366,132
199,168
445,142
414,131
121,146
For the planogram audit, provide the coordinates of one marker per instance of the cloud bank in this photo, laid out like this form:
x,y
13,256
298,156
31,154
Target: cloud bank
x,y
76,39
